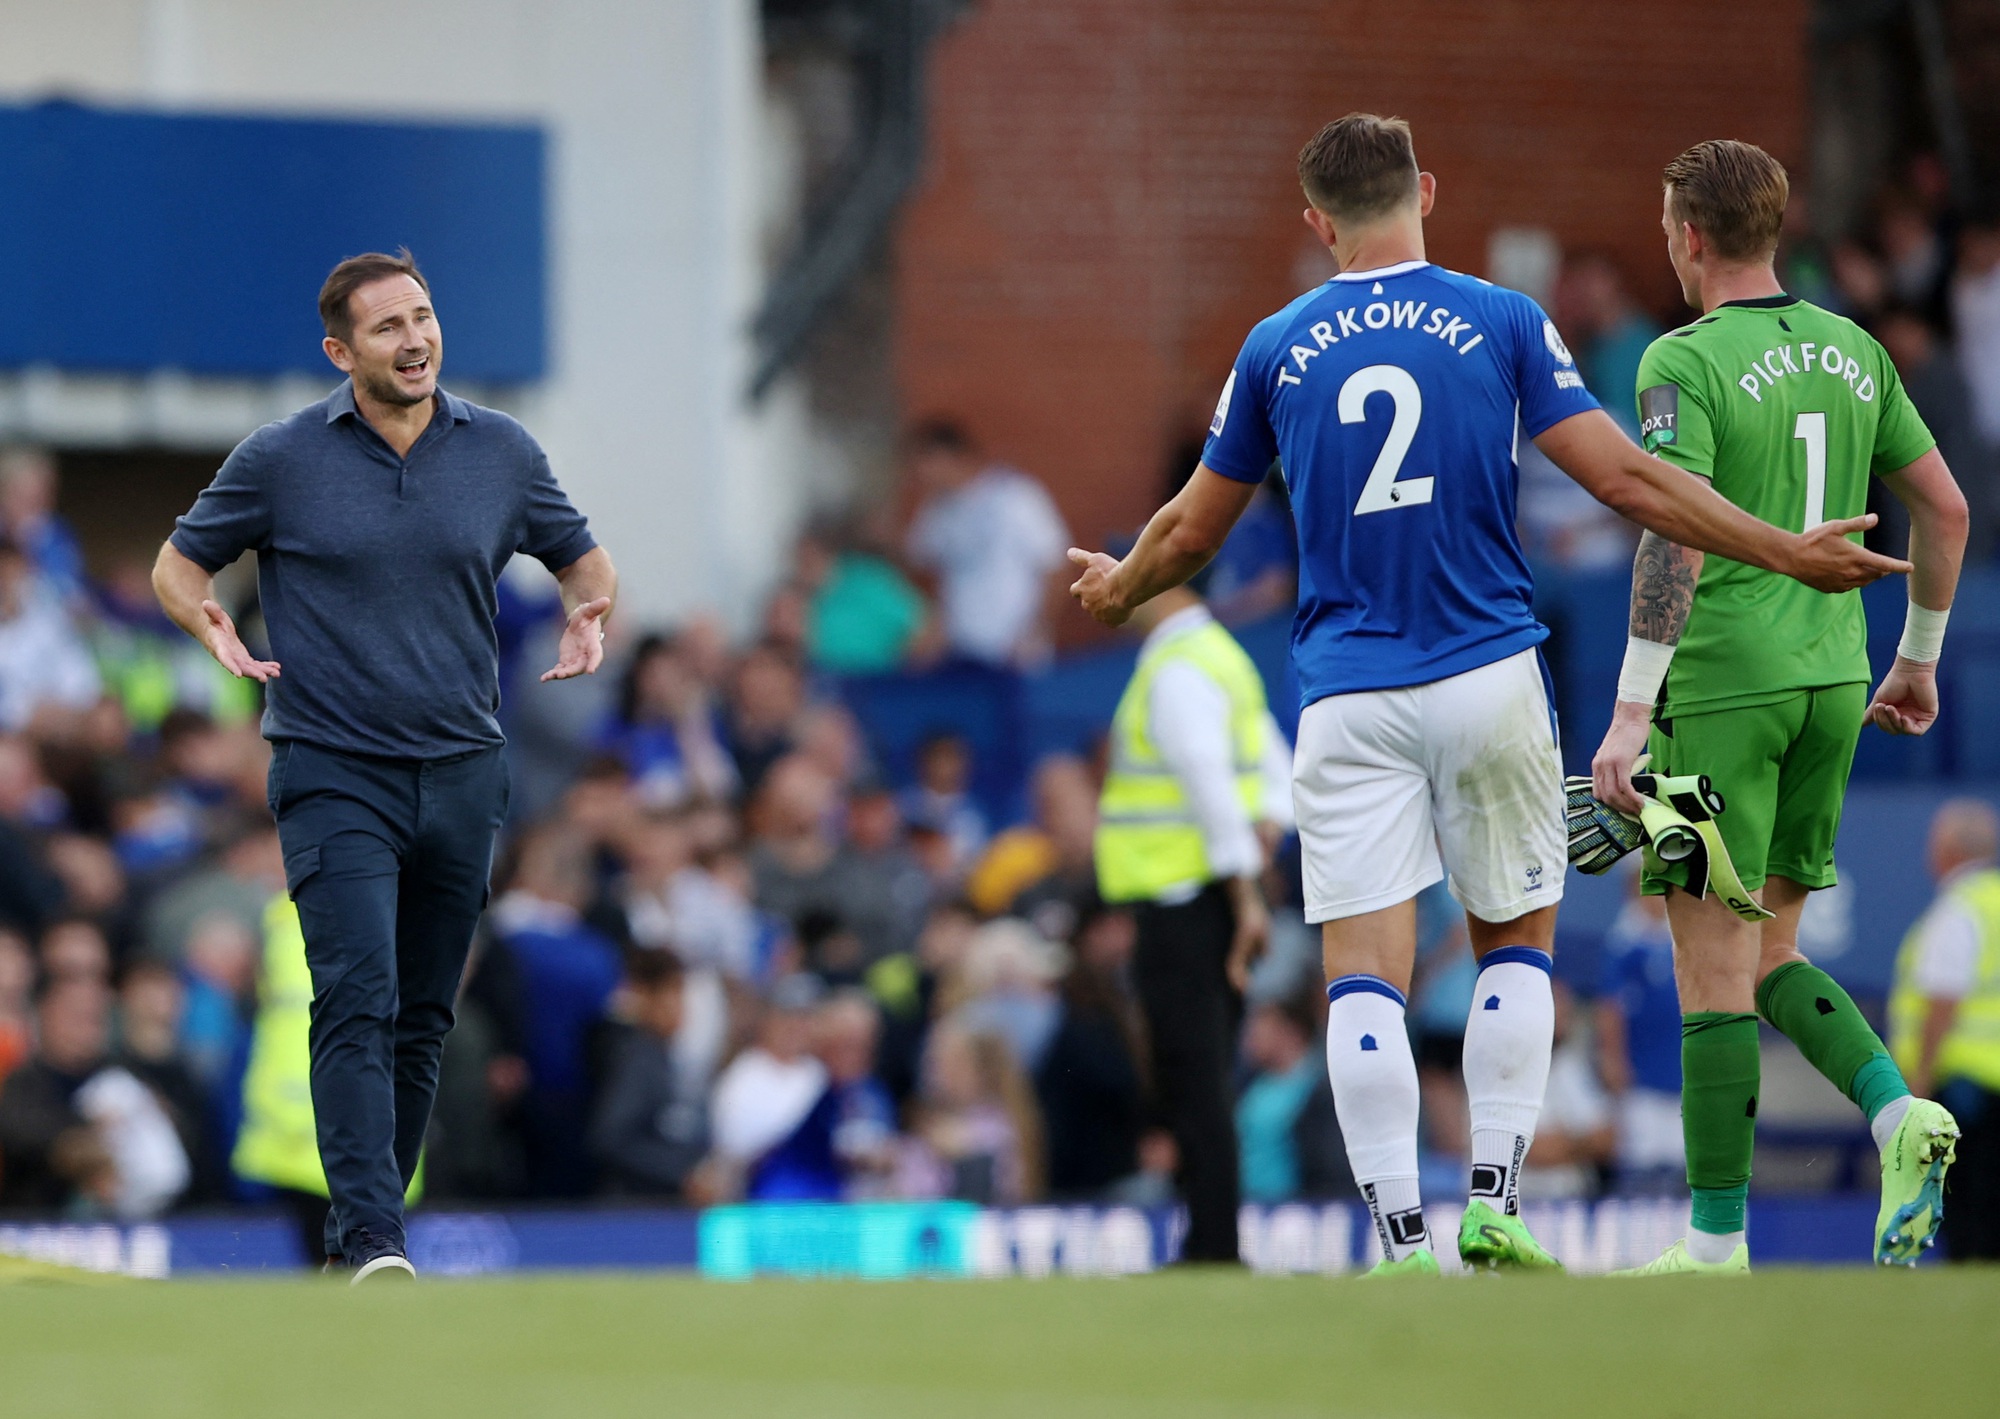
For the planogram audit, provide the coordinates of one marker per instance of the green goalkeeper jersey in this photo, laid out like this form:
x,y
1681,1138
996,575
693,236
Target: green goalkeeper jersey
x,y
1788,410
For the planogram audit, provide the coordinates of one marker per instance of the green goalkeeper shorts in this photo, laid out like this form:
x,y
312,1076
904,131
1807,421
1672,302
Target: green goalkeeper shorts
x,y
1781,769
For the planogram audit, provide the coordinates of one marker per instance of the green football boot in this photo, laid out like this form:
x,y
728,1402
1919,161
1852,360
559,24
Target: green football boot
x,y
1493,1241
1675,1261
1417,1263
1913,1167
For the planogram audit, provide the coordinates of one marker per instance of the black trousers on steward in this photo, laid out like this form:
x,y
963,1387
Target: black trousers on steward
x,y
1972,1188
1192,1019
388,862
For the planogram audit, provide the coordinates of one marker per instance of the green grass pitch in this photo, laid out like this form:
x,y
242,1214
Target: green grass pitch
x,y
1176,1346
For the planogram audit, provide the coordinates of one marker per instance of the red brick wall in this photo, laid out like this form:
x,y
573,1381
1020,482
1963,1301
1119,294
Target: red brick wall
x,y
1109,203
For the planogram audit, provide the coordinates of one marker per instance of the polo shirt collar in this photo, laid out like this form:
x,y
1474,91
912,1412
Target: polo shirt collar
x,y
341,402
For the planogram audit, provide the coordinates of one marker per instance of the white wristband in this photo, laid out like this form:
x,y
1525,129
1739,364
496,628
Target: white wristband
x,y
1923,633
1645,670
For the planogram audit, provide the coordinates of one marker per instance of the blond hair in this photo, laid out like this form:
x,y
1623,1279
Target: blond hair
x,y
1733,193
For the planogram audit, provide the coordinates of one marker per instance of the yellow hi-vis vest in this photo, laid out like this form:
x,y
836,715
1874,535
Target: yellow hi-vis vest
x,y
1971,1047
278,1142
1148,842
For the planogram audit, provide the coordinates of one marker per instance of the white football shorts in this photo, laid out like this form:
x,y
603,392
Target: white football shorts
x,y
1397,788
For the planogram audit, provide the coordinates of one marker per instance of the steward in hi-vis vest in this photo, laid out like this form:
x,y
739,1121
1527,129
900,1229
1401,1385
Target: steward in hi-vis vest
x,y
1969,1047
1198,767
1944,1015
1149,839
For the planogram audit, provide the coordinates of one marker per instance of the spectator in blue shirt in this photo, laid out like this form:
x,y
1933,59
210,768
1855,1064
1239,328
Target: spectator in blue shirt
x,y
845,1147
1639,1039
665,729
29,519
941,798
568,972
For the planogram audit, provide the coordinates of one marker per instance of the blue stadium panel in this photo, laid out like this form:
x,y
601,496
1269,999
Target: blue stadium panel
x,y
136,241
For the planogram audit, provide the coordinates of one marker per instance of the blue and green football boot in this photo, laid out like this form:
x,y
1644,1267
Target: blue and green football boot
x,y
1913,1166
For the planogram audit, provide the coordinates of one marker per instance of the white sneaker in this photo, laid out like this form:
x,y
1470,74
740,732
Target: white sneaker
x,y
390,1266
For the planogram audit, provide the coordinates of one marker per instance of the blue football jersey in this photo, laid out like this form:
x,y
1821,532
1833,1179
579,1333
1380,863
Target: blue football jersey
x,y
1392,399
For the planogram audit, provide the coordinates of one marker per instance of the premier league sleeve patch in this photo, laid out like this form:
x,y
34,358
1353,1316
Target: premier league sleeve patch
x,y
1659,415
1555,343
1222,407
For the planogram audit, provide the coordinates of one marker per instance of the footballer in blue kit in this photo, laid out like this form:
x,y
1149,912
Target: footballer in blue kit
x,y
1366,384
1393,396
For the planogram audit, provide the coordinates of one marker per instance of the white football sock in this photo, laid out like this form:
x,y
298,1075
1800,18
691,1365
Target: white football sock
x,y
1885,1123
1712,1247
1375,1096
1508,1037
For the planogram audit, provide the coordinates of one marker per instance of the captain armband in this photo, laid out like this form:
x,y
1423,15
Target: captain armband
x,y
1923,633
1645,670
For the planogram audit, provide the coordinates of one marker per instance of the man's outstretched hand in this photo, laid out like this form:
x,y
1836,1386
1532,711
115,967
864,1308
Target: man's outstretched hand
x,y
1826,561
582,648
1093,588
220,637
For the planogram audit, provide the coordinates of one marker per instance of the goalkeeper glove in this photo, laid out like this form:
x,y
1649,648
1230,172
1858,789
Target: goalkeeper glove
x,y
1598,836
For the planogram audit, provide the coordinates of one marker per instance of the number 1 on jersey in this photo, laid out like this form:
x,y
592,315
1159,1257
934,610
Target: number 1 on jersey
x,y
1812,428
1382,492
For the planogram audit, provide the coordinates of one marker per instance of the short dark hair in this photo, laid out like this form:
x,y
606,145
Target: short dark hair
x,y
142,966
48,987
651,644
354,273
1359,166
1733,193
653,968
1302,1009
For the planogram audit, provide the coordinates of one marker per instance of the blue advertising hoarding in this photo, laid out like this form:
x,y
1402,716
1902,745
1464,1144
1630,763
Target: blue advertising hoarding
x,y
891,1240
136,241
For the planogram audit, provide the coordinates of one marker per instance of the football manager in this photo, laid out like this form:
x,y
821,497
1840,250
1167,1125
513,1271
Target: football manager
x,y
381,518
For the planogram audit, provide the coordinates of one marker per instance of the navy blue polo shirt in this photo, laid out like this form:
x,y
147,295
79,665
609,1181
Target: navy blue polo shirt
x,y
378,573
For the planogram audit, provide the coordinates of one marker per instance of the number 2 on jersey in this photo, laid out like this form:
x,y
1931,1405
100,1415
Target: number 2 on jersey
x,y
1812,428
1382,492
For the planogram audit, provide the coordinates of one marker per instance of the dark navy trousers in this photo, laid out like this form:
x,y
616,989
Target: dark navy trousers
x,y
388,861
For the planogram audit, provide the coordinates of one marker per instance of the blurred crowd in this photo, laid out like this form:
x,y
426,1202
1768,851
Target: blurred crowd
x,y
727,956
732,951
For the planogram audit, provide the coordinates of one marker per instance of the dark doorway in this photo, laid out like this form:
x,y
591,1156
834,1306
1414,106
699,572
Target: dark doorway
x,y
123,503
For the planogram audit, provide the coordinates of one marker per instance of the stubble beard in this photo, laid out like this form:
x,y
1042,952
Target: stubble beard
x,y
386,390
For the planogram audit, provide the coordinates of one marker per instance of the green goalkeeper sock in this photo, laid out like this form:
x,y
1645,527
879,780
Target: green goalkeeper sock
x,y
1809,1008
1719,1077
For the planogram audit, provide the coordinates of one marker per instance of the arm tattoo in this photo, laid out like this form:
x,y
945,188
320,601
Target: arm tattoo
x,y
1663,582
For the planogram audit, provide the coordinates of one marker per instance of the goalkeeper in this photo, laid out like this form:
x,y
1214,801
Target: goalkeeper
x,y
1788,410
